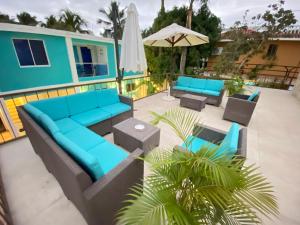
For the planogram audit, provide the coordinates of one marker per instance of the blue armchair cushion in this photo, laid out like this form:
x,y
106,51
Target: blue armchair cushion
x,y
65,125
107,97
84,158
108,155
214,85
48,124
198,83
254,94
33,111
229,144
91,117
116,108
55,108
184,81
195,144
84,138
82,102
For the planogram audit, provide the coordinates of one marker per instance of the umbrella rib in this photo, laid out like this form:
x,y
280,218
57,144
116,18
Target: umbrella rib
x,y
153,42
180,38
187,40
201,39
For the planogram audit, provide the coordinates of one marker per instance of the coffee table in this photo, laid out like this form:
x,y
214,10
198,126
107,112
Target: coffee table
x,y
195,102
130,138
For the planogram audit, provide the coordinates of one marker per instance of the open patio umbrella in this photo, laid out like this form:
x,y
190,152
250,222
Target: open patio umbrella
x,y
132,53
172,36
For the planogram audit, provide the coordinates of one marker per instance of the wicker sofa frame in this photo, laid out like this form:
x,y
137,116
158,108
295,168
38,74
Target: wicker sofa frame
x,y
216,136
212,100
98,201
5,215
239,109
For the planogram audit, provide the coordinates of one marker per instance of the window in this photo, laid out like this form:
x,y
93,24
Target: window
x,y
272,51
31,52
217,51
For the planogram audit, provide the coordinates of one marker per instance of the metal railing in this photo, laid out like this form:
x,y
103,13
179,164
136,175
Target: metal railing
x,y
136,88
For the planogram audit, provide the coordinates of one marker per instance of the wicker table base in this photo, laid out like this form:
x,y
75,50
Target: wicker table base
x,y
128,137
195,102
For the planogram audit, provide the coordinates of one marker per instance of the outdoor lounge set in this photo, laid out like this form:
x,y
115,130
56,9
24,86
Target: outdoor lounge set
x,y
93,173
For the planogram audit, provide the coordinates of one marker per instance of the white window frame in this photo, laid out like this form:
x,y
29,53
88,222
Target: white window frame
x,y
78,45
31,66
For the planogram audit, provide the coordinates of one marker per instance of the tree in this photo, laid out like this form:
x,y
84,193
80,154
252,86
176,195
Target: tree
x,y
247,42
107,17
197,188
26,19
53,22
4,18
72,21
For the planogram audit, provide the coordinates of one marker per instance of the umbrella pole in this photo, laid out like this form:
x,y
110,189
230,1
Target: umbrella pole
x,y
169,78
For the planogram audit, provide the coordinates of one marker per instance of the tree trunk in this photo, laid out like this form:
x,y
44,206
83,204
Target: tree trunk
x,y
162,6
184,49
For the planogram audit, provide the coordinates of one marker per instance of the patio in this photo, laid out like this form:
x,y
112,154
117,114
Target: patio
x,y
36,198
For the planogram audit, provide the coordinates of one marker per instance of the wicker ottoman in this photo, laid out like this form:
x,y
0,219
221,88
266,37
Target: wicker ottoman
x,y
129,138
195,102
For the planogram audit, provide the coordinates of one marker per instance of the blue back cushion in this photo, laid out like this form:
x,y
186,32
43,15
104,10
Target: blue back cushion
x,y
48,124
184,81
34,112
198,83
214,85
55,108
107,97
85,159
82,102
229,145
254,94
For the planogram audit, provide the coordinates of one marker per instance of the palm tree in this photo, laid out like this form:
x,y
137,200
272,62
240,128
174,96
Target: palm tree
x,y
4,18
107,19
72,21
187,188
52,22
26,19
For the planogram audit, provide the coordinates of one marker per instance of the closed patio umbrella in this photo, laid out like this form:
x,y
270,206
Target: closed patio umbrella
x,y
132,53
172,36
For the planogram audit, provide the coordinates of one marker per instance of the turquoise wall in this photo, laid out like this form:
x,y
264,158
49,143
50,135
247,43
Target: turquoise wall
x,y
110,58
12,77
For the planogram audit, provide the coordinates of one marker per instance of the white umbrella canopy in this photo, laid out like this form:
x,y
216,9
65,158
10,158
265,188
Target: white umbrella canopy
x,y
175,35
132,53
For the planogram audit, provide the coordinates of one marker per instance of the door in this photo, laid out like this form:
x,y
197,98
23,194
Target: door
x,y
87,61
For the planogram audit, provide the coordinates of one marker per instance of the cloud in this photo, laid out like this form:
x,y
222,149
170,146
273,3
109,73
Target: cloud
x,y
230,12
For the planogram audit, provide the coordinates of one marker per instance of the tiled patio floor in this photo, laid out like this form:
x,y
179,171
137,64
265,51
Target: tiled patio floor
x,y
36,198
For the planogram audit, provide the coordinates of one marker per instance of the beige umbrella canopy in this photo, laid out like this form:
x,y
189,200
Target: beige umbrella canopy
x,y
175,35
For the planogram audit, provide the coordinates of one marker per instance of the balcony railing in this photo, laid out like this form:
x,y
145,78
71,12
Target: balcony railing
x,y
136,88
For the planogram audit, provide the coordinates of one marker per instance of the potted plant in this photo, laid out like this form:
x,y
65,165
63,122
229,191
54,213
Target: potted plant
x,y
197,188
235,85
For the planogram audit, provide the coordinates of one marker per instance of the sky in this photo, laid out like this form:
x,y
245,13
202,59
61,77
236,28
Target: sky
x,y
228,10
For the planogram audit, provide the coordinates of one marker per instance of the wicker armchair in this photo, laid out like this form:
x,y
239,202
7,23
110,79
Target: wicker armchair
x,y
239,109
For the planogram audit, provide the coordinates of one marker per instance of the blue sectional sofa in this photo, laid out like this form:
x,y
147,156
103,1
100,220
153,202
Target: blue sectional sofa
x,y
231,143
212,89
66,133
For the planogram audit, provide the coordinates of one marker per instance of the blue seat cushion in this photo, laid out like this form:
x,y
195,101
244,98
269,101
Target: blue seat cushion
x,y
116,108
214,85
34,112
91,117
107,97
82,102
183,81
182,88
89,162
254,94
195,144
84,138
108,155
229,144
209,92
48,124
65,125
198,83
55,108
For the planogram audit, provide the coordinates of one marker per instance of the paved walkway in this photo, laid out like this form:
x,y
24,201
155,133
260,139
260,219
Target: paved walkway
x,y
36,198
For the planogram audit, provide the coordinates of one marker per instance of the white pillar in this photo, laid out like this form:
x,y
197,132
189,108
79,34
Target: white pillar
x,y
72,59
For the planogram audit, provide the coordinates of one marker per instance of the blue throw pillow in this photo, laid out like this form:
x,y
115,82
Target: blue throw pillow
x,y
107,97
254,94
214,85
184,81
82,102
48,124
